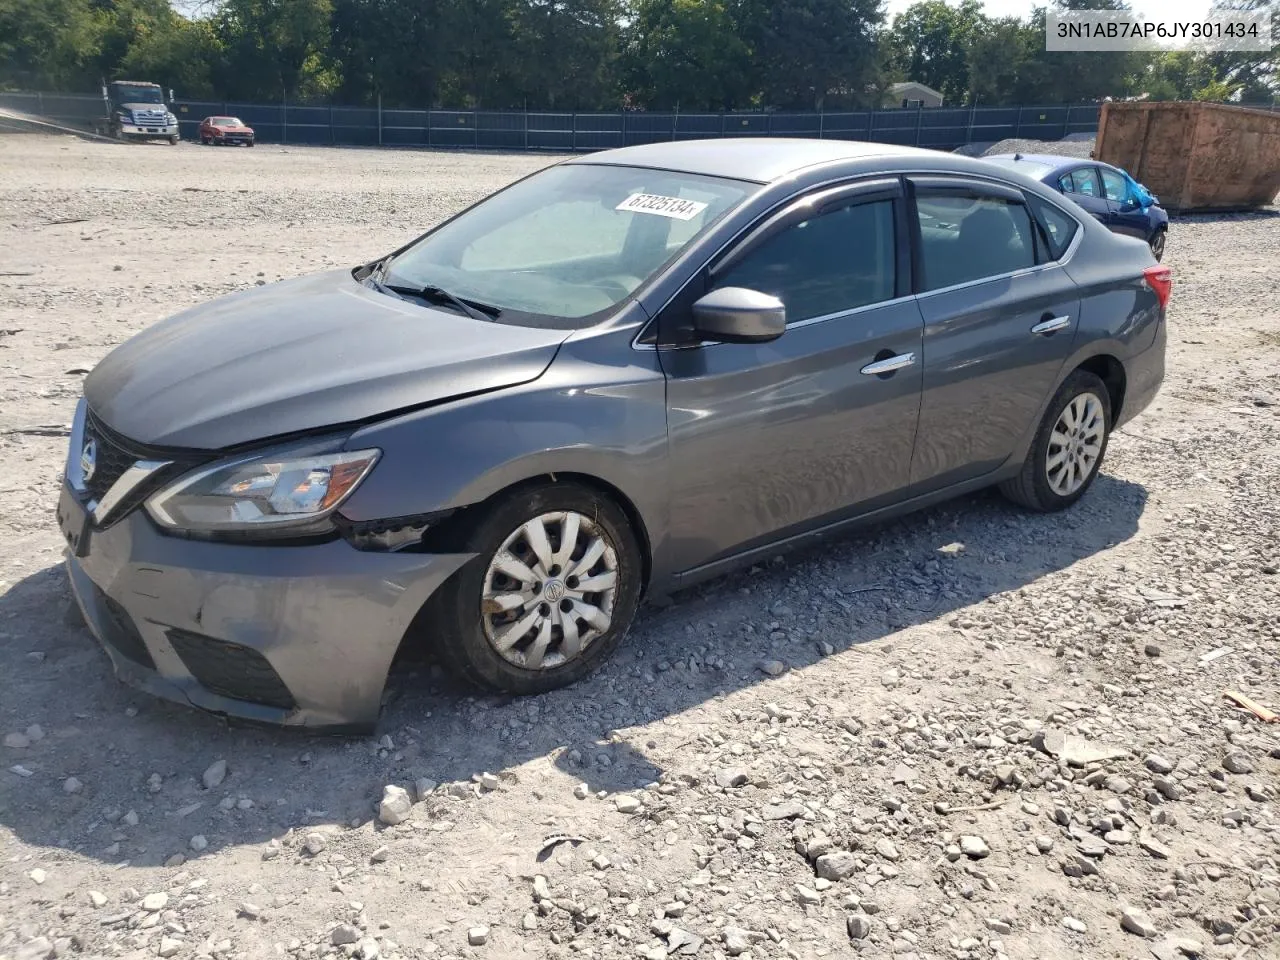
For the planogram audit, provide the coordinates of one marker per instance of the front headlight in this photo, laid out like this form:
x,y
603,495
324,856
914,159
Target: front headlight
x,y
284,494
170,118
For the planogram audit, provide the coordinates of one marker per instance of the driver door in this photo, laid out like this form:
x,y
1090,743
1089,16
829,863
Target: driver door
x,y
1126,216
773,439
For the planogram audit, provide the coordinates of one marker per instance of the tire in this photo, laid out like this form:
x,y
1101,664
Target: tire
x,y
462,631
1034,486
173,141
250,143
1157,243
204,141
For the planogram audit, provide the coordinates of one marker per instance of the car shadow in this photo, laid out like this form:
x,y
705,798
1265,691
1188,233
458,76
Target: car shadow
x,y
129,752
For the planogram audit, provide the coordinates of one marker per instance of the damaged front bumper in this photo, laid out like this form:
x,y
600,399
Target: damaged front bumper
x,y
295,635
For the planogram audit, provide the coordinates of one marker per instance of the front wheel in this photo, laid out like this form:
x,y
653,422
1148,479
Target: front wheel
x,y
1157,243
550,595
1068,448
173,141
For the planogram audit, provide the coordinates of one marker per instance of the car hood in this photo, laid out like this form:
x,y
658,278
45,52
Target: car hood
x,y
239,129
162,108
307,354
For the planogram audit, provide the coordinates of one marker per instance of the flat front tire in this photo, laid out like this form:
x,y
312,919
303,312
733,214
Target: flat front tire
x,y
1069,446
548,598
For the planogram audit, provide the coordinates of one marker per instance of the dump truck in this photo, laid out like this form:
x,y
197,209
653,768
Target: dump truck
x,y
1195,156
137,110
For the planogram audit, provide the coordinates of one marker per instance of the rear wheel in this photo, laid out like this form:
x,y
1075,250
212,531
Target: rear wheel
x,y
1157,243
550,595
1068,448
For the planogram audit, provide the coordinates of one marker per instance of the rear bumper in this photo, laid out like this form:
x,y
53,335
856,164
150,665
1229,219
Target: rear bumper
x,y
299,635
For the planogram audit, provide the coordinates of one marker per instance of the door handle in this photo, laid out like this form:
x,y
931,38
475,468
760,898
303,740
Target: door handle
x,y
1051,325
889,365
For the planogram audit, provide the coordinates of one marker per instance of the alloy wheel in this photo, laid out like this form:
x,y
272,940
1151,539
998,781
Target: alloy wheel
x,y
1075,445
549,590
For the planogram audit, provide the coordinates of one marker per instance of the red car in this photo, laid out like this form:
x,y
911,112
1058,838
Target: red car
x,y
216,130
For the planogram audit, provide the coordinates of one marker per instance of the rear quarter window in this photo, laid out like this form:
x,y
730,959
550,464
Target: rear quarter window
x,y
1055,229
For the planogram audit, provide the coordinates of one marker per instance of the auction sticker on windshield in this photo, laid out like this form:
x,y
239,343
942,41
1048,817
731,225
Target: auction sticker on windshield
x,y
672,207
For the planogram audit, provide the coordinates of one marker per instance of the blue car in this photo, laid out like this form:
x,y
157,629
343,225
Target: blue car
x,y
1114,198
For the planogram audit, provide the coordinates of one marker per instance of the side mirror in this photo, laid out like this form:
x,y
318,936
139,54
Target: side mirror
x,y
171,98
739,315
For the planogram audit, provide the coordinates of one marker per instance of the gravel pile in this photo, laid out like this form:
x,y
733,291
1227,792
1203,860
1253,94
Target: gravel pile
x,y
1081,147
972,733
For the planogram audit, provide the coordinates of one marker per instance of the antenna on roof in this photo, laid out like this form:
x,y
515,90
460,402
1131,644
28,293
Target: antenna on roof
x,y
1017,156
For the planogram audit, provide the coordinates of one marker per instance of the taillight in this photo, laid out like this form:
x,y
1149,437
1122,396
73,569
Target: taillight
x,y
1160,280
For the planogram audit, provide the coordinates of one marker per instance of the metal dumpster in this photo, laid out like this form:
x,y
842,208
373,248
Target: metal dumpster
x,y
1195,156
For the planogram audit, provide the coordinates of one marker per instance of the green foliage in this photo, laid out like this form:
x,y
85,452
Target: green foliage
x,y
596,54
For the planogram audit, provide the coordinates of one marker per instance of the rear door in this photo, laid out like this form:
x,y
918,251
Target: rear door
x,y
774,438
1000,316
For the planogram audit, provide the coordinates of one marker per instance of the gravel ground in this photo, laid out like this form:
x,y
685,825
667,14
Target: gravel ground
x,y
973,733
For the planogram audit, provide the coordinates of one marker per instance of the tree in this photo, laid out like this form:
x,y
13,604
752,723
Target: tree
x,y
49,44
808,50
273,47
996,56
930,42
687,53
565,52
1060,77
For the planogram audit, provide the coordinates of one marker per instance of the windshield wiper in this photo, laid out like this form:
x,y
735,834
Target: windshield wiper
x,y
472,308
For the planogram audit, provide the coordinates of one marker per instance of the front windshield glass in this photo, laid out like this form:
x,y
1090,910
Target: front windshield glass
x,y
132,94
227,122
568,243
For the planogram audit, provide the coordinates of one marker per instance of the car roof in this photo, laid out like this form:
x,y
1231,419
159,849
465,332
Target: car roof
x,y
762,160
1058,163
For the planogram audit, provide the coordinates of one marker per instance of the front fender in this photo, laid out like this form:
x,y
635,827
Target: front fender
x,y
599,410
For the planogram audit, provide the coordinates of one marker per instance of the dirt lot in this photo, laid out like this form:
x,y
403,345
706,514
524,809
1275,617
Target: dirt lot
x,y
901,789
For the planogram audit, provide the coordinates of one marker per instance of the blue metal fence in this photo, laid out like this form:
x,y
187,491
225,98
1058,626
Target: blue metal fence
x,y
942,128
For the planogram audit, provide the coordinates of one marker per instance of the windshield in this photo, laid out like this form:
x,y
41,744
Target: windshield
x,y
130,93
568,243
227,122
1029,168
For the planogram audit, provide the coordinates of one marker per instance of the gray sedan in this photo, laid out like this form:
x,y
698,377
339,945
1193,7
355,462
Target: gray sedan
x,y
629,372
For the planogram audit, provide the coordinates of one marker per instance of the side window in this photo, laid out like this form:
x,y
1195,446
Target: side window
x,y
1055,226
1066,184
965,237
1085,181
836,261
1115,186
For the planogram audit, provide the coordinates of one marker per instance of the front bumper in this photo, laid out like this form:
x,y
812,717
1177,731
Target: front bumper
x,y
153,130
292,635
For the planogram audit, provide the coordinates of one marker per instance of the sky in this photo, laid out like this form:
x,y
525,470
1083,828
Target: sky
x,y
1166,9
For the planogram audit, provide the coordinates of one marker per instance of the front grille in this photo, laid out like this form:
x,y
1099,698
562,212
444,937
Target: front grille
x,y
113,457
121,632
150,118
230,670
116,454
